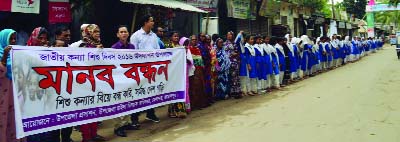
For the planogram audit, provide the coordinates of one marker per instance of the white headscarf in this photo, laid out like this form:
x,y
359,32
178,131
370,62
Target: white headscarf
x,y
305,40
287,36
347,41
294,40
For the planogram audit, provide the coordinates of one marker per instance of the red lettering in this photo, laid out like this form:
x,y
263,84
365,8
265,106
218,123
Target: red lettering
x,y
80,77
148,70
132,72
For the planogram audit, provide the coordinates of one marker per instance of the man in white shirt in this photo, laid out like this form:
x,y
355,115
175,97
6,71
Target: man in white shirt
x,y
145,38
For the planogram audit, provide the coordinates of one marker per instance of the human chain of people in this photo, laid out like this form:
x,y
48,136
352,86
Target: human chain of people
x,y
218,67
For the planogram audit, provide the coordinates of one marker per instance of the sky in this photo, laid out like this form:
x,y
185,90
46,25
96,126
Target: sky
x,y
336,1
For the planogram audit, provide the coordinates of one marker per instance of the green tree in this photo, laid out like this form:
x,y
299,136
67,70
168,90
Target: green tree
x,y
356,7
394,2
388,18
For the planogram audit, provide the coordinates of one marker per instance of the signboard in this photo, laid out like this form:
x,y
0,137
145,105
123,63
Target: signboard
x,y
342,25
206,5
238,8
59,12
370,24
381,7
348,26
269,8
23,6
56,88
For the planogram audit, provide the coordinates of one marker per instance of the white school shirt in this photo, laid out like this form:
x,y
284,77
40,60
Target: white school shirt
x,y
251,49
259,48
142,40
265,49
280,48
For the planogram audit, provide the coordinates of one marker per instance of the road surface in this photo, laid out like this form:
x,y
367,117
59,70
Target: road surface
x,y
359,102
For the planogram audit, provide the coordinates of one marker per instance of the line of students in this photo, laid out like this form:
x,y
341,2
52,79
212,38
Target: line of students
x,y
270,63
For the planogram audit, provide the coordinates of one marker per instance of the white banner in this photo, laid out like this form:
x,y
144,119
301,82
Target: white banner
x,y
25,6
62,87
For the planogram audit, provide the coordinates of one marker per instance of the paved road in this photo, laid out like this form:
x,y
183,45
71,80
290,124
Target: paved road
x,y
359,102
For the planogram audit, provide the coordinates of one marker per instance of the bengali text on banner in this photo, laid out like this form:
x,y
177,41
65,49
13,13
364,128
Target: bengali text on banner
x,y
62,87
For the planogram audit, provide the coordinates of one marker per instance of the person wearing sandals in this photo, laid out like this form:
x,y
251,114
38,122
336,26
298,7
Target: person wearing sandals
x,y
267,64
197,92
243,73
261,69
273,72
222,82
184,41
232,48
176,110
251,65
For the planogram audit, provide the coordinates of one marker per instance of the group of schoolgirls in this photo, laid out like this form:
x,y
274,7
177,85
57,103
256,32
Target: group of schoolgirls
x,y
266,63
270,63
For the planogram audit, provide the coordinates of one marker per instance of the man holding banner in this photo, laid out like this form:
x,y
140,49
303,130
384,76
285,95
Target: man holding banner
x,y
145,39
122,123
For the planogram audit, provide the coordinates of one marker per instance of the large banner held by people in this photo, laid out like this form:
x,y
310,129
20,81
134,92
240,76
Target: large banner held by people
x,y
62,87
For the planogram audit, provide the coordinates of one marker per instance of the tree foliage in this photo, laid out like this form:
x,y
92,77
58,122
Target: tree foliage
x,y
388,18
394,2
315,4
356,7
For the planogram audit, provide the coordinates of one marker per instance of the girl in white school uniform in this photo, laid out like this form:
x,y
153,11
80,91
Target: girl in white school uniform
x,y
251,65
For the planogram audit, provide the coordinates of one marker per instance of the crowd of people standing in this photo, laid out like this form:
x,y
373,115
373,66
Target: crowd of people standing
x,y
218,68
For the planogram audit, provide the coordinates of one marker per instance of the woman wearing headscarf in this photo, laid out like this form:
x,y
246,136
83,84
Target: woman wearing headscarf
x,y
347,45
306,61
232,48
39,37
7,115
76,44
91,39
222,82
198,96
293,48
214,62
204,46
184,41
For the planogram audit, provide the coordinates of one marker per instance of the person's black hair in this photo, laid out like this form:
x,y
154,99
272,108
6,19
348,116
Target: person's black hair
x,y
273,40
121,26
172,33
257,37
244,35
279,39
145,19
43,31
60,29
248,37
214,37
55,42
